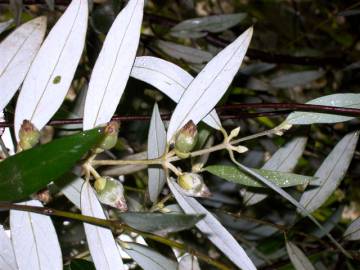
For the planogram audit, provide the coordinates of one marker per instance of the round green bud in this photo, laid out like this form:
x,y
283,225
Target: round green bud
x,y
111,192
193,185
29,135
111,132
186,139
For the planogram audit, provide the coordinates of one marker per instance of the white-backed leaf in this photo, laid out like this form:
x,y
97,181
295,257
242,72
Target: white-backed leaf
x,y
147,258
71,188
283,160
298,258
170,79
296,78
331,172
353,231
337,100
200,26
181,52
17,52
156,148
205,91
53,68
34,239
5,25
188,262
212,228
112,68
103,248
50,4
7,256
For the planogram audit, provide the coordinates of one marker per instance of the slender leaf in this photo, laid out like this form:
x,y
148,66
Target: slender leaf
x,y
17,52
281,179
352,232
70,184
156,148
160,223
7,256
212,228
16,7
210,85
188,262
112,68
181,52
170,79
103,248
337,100
296,78
298,258
53,68
197,27
50,4
31,170
34,239
331,172
5,25
148,259
283,160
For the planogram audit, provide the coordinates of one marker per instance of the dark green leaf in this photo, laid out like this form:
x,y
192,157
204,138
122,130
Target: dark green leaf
x,y
234,174
31,170
160,223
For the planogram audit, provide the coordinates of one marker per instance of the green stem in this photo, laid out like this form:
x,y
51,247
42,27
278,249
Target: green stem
x,y
157,161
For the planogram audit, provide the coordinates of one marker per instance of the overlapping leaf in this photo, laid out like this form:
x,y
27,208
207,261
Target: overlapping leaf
x,y
103,248
281,179
337,100
298,258
53,69
331,172
17,52
213,229
156,148
170,79
353,231
7,256
205,91
112,68
34,238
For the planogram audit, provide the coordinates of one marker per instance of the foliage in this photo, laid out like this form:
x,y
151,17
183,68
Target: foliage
x,y
244,180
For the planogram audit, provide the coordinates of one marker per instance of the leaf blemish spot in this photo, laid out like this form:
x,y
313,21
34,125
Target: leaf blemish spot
x,y
57,79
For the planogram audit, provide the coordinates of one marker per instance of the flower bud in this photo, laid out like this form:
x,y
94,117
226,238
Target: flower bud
x,y
193,185
29,135
111,132
186,139
111,192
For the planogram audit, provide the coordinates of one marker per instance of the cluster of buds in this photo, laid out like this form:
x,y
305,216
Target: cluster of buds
x,y
111,132
193,185
111,192
186,139
29,135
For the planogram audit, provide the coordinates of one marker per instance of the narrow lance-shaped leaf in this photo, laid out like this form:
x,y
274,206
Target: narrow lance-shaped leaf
x,y
103,248
53,69
337,100
281,179
213,229
298,258
156,148
7,256
37,167
283,160
331,172
5,25
35,240
147,258
170,79
158,222
185,53
205,91
296,78
188,262
197,27
17,52
112,68
353,231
